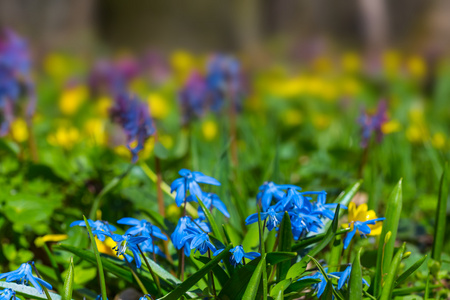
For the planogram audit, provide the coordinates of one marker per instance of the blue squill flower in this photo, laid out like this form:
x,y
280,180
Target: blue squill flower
x,y
127,241
322,208
134,117
187,227
273,218
344,277
100,229
189,183
238,254
373,123
150,247
303,221
146,297
193,97
24,275
143,228
270,191
199,241
210,200
361,227
7,294
318,287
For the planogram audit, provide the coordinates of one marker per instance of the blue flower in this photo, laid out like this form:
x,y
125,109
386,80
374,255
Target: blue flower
x,y
319,287
142,227
344,277
373,123
270,190
199,241
361,227
127,241
150,247
185,228
189,183
210,200
238,255
146,297
322,208
193,98
100,229
7,294
302,222
273,218
134,117
24,275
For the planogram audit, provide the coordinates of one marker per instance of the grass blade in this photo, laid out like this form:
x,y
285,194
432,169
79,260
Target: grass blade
x,y
355,286
386,250
321,270
101,274
68,283
284,244
253,285
215,229
410,270
441,215
388,284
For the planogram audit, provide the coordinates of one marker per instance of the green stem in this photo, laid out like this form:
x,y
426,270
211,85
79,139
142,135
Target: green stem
x,y
155,278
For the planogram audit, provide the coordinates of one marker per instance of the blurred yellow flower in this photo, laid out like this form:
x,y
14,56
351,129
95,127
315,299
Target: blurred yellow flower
x,y
138,86
19,130
350,87
65,137
39,241
55,65
416,133
292,117
416,115
95,130
289,87
416,66
149,145
438,140
182,62
209,129
351,62
166,140
322,64
321,121
362,214
390,126
391,62
106,246
158,106
122,151
102,106
72,98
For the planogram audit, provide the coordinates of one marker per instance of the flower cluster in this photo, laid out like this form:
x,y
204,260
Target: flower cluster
x,y
373,123
192,235
305,216
24,275
133,115
238,255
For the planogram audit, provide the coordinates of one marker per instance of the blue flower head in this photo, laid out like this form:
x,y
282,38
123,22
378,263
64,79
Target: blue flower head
x,y
134,117
324,209
187,228
100,229
344,277
362,228
273,218
149,247
318,287
189,183
199,241
238,254
142,228
127,241
270,191
7,294
193,97
210,200
24,275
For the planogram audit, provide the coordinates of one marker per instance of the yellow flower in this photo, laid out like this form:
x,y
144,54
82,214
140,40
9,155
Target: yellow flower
x,y
123,151
209,129
95,129
351,62
158,106
65,137
72,99
390,127
292,117
350,87
391,62
289,87
438,140
39,242
321,121
361,214
182,62
56,65
322,64
416,66
166,140
103,105
416,133
106,246
19,130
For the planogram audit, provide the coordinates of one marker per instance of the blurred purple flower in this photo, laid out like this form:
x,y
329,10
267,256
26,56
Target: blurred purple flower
x,y
371,123
193,97
134,117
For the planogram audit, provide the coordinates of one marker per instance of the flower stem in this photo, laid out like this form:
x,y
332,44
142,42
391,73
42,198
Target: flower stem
x,y
212,278
155,278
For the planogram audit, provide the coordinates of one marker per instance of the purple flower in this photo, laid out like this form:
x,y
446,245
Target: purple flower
x,y
373,123
133,115
193,97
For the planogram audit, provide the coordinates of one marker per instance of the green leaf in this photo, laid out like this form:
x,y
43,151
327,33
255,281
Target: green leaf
x,y
197,276
300,285
355,285
274,258
410,270
160,151
328,280
277,291
212,221
386,251
99,261
298,268
347,195
328,292
27,291
235,287
388,284
253,285
68,283
284,244
219,273
441,215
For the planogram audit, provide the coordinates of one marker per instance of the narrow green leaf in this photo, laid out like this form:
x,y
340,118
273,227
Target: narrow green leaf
x,y
298,268
386,251
215,229
410,271
219,273
68,283
328,292
194,278
337,246
427,287
315,239
53,262
284,244
253,284
441,215
277,291
300,285
328,280
27,291
235,287
388,284
99,261
355,286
